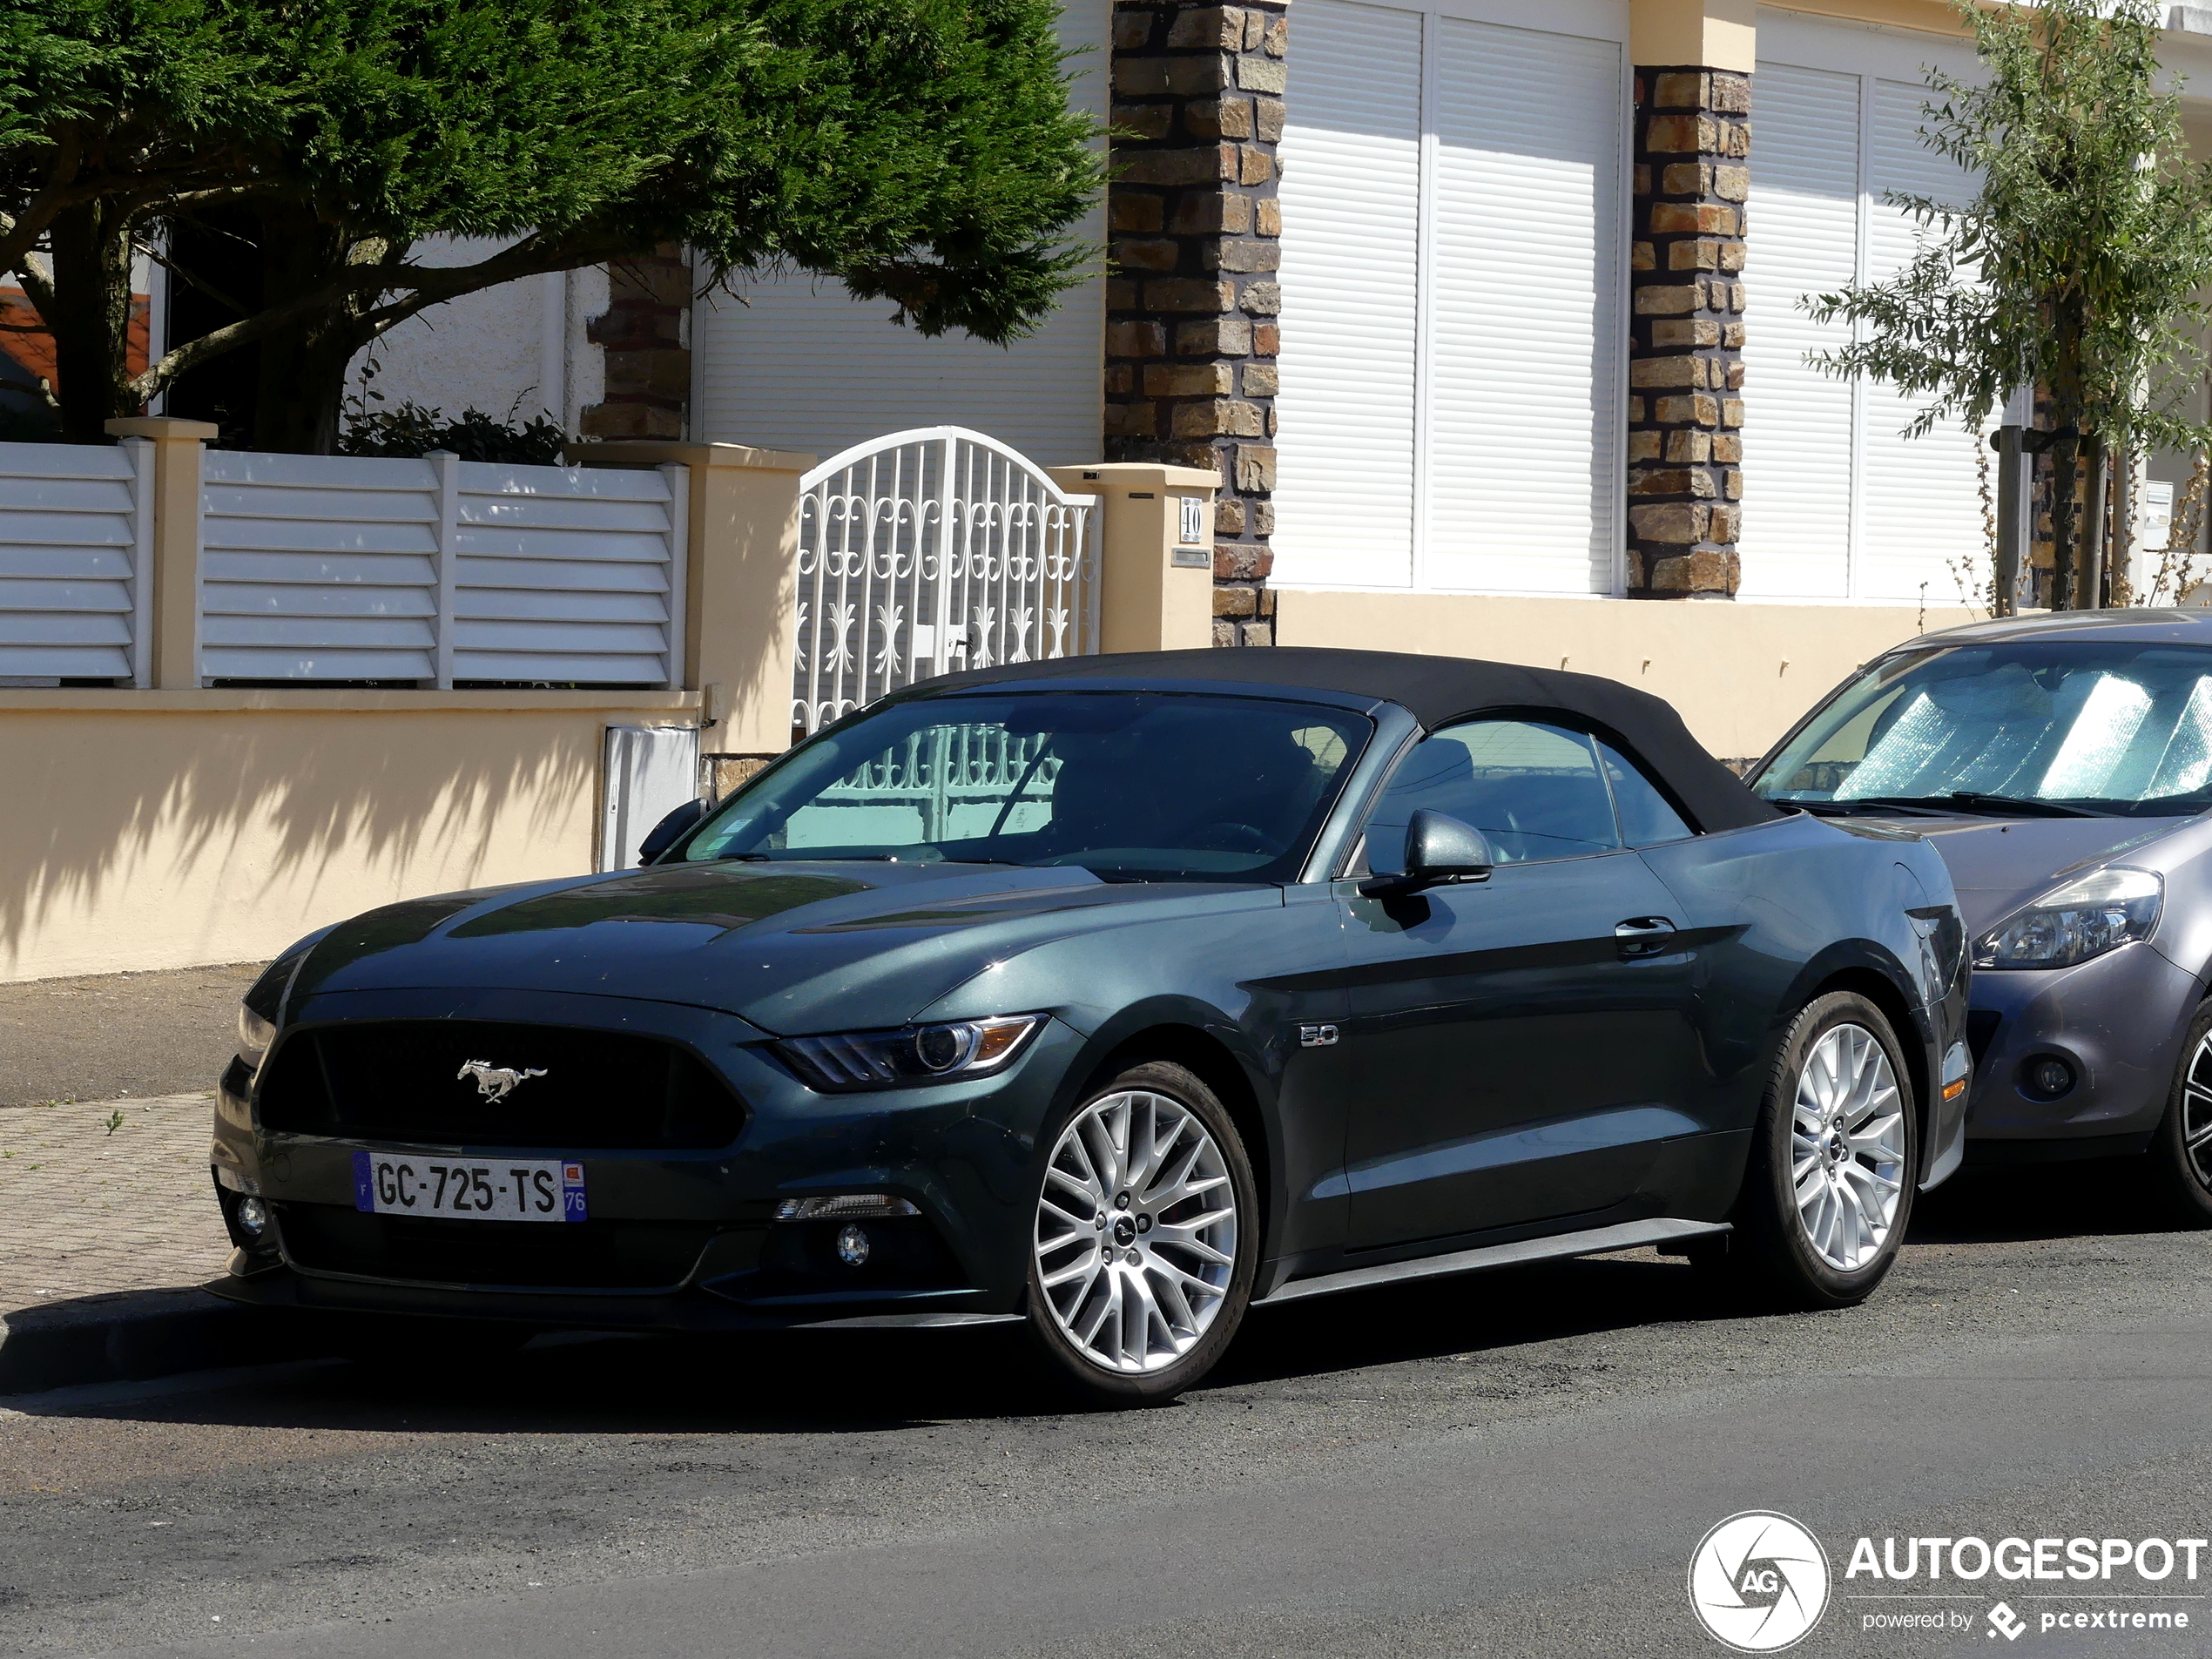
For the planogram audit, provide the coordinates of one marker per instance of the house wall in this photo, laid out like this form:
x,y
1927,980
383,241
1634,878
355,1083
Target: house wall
x,y
1740,674
519,347
793,363
182,827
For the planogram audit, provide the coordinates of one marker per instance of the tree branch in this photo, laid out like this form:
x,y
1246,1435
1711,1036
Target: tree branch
x,y
19,234
206,287
38,288
425,286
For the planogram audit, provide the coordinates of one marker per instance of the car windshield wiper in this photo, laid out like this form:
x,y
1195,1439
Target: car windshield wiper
x,y
803,857
1965,801
1851,808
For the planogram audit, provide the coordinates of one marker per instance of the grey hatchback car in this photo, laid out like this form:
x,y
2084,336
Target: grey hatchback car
x,y
2062,766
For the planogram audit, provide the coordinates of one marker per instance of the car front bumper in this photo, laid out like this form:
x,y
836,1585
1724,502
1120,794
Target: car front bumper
x,y
675,1239
2117,1022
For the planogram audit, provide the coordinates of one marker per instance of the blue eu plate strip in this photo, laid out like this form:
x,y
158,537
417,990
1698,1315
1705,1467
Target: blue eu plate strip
x,y
572,1206
364,1184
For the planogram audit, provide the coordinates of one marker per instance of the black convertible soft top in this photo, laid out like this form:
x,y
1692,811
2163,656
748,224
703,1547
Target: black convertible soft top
x,y
1436,690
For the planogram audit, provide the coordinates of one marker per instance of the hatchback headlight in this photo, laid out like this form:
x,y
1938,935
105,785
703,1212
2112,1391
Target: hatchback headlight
x,y
255,1034
2089,915
913,1054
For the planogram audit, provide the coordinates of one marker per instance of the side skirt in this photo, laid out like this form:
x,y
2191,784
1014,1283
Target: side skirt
x,y
1627,1235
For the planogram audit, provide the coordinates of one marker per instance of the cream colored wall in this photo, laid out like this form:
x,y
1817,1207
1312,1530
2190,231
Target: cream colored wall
x,y
161,829
1740,674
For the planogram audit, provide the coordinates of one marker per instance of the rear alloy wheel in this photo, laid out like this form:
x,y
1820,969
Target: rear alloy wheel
x,y
1142,1249
2182,1150
1829,1192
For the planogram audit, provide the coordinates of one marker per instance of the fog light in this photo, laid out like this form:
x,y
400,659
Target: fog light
x,y
2047,1076
852,1245
872,1204
253,1218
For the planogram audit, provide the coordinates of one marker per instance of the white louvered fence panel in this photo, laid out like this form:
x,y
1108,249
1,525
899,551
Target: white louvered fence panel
x,y
437,570
76,591
1351,179
318,568
568,575
929,550
1797,421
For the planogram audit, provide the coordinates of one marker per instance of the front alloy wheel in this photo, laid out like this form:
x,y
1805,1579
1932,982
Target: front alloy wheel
x,y
1828,1192
2182,1150
1141,1252
1847,1147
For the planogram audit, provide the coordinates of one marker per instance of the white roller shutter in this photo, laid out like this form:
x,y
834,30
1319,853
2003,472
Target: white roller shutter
x,y
1797,422
1921,500
1350,191
1836,503
1524,399
1454,295
797,364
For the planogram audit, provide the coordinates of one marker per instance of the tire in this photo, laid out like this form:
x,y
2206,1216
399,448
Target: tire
x,y
1827,1245
2181,1151
1133,1299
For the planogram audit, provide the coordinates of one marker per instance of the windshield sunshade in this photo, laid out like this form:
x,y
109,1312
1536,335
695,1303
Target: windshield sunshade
x,y
1141,785
2111,727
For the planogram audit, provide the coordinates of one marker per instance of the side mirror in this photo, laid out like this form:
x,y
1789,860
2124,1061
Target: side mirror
x,y
1440,849
670,830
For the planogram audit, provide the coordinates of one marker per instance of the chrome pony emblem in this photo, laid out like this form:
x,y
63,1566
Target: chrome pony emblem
x,y
493,1083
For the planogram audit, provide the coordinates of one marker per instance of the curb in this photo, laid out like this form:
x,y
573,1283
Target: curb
x,y
135,1335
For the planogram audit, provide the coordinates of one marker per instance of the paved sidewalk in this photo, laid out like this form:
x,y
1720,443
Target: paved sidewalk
x,y
87,1209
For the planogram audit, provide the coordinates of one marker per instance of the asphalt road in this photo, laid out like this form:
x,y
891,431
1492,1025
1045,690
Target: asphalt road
x,y
109,1036
1520,1464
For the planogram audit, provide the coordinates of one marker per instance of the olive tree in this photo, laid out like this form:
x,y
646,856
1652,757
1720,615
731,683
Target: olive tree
x,y
2078,266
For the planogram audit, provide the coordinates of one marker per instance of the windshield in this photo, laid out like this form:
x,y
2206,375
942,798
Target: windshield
x,y
1136,786
2116,728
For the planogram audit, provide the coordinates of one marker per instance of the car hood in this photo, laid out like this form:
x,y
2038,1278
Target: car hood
x,y
1998,865
791,947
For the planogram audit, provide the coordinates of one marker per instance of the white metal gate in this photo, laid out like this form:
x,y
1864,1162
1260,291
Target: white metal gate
x,y
929,550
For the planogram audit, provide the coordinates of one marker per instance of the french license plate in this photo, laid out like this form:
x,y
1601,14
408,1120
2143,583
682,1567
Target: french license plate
x,y
493,1190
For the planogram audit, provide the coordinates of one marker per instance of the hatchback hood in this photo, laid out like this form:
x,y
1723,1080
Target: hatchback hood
x,y
790,947
1998,865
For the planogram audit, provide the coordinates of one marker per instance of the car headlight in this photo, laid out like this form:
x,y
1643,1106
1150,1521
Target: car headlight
x,y
2089,915
913,1054
255,1034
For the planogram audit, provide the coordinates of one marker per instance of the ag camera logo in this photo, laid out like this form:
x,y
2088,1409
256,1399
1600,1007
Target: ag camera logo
x,y
1759,1581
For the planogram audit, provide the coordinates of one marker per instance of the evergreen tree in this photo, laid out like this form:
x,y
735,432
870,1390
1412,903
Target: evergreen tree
x,y
922,151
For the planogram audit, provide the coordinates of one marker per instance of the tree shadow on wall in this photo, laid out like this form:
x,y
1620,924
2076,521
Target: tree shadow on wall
x,y
300,817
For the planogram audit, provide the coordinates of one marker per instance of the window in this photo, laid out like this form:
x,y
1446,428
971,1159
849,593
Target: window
x,y
1838,504
1535,791
2116,728
1453,289
1132,785
1646,816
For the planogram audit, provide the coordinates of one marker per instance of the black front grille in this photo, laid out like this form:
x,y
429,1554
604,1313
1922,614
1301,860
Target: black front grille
x,y
586,1255
405,1080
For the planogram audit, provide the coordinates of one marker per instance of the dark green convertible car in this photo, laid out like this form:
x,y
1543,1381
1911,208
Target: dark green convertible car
x,y
1115,995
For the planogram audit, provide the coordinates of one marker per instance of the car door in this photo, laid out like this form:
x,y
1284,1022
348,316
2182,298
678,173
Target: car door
x,y
1521,1040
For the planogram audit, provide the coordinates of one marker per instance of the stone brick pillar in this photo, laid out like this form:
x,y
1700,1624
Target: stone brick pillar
x,y
643,333
1686,369
1191,302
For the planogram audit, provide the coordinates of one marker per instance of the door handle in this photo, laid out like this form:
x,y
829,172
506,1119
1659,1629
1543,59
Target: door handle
x,y
1644,936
